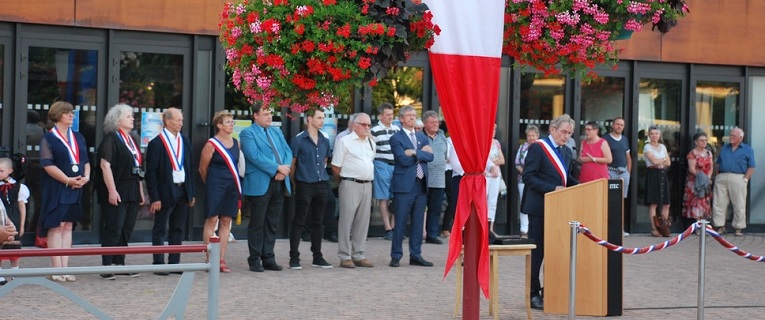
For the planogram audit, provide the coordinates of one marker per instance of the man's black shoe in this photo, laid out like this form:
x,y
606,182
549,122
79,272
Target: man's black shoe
x,y
176,272
420,262
161,273
433,240
537,303
394,262
257,267
272,267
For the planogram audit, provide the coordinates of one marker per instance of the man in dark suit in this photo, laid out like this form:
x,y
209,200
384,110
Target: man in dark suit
x,y
269,159
170,181
409,185
547,169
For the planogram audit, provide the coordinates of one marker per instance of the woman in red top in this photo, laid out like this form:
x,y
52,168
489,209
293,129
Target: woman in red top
x,y
594,154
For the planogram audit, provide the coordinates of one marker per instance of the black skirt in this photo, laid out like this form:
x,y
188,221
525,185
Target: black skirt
x,y
656,186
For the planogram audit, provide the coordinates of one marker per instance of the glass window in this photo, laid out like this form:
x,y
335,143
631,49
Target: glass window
x,y
400,87
2,82
717,108
756,184
659,103
150,83
542,99
60,74
602,101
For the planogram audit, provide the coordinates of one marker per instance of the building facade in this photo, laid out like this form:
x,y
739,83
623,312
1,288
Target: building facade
x,y
705,75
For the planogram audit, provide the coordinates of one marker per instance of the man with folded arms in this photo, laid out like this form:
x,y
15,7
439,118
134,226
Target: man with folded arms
x,y
412,152
353,164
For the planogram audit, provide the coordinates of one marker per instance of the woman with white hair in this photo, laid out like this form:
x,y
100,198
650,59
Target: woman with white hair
x,y
120,189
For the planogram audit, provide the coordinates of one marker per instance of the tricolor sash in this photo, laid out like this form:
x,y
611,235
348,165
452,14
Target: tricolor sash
x,y
232,167
128,141
555,158
72,148
174,152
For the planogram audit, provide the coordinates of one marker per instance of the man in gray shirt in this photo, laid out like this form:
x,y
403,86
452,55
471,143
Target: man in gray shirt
x,y
436,171
621,165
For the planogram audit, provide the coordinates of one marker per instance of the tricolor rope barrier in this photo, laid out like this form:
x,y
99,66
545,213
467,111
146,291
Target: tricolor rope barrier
x,y
617,248
666,244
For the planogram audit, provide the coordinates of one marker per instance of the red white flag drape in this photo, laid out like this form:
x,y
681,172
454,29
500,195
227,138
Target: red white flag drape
x,y
465,60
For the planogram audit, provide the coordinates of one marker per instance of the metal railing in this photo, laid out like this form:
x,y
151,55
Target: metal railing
x,y
176,307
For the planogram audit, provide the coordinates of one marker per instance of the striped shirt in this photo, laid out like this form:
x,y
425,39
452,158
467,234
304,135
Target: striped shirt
x,y
382,135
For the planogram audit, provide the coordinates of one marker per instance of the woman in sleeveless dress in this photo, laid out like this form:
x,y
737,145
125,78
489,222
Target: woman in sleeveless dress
x,y
220,174
595,154
657,162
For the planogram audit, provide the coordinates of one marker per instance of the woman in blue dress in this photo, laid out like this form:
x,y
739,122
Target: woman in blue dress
x,y
66,169
218,167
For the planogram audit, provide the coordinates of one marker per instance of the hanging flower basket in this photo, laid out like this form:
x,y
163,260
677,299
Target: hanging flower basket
x,y
572,37
303,54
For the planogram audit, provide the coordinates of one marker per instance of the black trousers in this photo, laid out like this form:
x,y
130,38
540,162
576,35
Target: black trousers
x,y
452,191
117,224
264,214
170,220
310,202
537,232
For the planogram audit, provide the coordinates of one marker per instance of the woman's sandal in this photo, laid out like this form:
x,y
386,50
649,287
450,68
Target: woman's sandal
x,y
223,267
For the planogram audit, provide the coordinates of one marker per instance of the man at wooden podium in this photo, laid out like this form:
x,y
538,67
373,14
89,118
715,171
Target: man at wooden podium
x,y
548,164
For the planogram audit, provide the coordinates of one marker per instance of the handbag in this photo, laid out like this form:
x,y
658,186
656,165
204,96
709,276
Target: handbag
x,y
241,164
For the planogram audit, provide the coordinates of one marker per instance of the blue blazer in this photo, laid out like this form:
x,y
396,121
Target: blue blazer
x,y
260,166
159,172
541,176
405,168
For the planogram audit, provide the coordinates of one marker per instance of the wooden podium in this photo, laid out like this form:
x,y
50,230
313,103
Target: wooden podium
x,y
599,206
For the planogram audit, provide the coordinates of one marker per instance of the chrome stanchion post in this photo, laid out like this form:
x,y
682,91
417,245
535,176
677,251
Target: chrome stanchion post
x,y
213,250
572,271
702,258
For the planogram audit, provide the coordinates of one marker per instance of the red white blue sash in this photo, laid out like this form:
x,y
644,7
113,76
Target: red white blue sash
x,y
174,152
555,159
71,147
229,159
128,141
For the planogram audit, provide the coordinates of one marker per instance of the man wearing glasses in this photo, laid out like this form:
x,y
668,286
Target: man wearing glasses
x,y
352,164
547,169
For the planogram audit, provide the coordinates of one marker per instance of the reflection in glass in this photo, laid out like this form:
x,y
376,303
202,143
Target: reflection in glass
x,y
717,108
59,74
400,87
150,83
659,104
542,99
602,101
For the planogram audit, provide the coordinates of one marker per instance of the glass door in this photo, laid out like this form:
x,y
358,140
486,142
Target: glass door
x,y
51,71
152,80
659,104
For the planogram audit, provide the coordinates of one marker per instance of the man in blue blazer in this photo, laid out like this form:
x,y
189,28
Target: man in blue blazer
x,y
411,154
170,182
266,182
548,164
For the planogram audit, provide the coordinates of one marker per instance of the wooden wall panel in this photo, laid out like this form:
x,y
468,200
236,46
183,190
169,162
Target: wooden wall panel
x,y
56,12
179,16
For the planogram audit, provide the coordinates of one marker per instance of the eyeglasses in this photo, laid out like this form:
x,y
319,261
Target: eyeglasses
x,y
564,132
365,125
228,122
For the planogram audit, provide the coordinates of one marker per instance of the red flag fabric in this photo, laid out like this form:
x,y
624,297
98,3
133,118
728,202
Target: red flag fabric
x,y
466,60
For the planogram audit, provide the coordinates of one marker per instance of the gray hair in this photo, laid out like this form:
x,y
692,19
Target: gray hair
x,y
404,110
352,117
429,114
113,116
557,122
532,128
6,162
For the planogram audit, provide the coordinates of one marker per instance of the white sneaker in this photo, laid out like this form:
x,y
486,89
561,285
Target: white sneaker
x,y
231,237
626,234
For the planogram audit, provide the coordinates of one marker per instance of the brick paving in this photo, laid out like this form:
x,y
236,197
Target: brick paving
x,y
656,285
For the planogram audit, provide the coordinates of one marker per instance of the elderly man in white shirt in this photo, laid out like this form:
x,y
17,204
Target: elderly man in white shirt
x,y
352,163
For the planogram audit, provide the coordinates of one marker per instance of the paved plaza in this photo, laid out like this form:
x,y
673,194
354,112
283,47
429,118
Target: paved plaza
x,y
660,285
